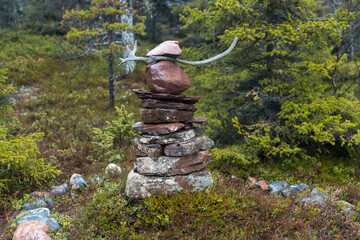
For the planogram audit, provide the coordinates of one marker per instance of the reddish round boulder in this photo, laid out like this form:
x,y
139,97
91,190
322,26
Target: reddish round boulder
x,y
167,48
166,77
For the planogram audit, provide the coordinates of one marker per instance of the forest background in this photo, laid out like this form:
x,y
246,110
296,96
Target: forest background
x,y
287,108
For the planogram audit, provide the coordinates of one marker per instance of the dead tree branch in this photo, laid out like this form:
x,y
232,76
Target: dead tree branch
x,y
152,59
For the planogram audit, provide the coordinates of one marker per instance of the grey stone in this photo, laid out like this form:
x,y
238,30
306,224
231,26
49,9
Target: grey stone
x,y
59,190
168,138
278,186
77,181
34,205
315,197
140,186
170,166
42,215
153,151
294,189
113,169
45,212
188,147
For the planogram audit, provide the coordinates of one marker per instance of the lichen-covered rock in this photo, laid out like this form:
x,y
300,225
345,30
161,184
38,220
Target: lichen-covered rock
x,y
315,197
33,230
166,77
167,48
278,186
154,103
157,115
157,129
34,205
170,166
140,186
113,169
295,189
188,147
59,190
40,214
168,138
144,94
153,151
77,181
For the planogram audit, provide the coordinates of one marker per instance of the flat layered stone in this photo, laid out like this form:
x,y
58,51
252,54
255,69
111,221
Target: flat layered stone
x,y
154,103
151,150
168,138
166,77
144,94
188,147
141,186
170,166
167,48
199,120
157,129
157,115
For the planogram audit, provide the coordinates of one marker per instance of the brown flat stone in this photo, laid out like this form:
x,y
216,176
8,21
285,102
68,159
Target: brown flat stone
x,y
141,186
188,147
167,48
199,120
170,166
166,77
144,94
157,115
153,151
157,129
154,103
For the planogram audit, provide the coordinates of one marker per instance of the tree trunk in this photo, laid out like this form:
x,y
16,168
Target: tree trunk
x,y
127,37
15,16
111,71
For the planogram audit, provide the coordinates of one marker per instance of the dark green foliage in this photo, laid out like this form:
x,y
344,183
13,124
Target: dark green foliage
x,y
19,162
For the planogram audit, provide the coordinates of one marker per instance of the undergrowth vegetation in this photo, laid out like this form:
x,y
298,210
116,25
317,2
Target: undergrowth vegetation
x,y
282,106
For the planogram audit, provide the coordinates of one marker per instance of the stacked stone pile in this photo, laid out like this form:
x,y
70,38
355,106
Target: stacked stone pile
x,y
173,154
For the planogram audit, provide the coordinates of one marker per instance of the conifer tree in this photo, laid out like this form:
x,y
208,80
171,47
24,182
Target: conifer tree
x,y
102,30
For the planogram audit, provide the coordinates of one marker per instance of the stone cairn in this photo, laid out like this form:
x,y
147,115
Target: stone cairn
x,y
173,154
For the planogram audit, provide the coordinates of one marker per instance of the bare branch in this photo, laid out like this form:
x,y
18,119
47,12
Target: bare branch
x,y
152,59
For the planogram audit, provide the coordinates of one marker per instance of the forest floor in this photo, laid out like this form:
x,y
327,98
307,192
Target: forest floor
x,y
67,105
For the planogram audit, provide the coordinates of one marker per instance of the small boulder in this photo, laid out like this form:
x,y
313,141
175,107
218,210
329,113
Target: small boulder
x,y
40,214
167,48
166,77
113,169
33,205
263,184
345,206
77,181
295,189
59,190
140,186
315,197
33,230
278,186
